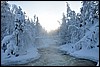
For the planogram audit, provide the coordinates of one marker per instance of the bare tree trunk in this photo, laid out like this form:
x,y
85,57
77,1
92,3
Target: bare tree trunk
x,y
17,39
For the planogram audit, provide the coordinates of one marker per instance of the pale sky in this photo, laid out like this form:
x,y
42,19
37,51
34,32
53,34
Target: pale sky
x,y
48,12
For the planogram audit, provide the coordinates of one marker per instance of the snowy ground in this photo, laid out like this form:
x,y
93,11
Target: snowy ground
x,y
31,55
91,54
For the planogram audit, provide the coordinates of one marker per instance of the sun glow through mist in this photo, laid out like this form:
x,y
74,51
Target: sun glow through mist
x,y
49,22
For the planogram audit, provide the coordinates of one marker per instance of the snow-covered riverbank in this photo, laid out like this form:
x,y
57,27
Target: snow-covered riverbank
x,y
91,54
31,55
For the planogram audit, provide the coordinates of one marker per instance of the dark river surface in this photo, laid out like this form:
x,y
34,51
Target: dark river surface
x,y
51,56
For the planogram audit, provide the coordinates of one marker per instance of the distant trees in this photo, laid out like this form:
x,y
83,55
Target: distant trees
x,y
39,30
63,30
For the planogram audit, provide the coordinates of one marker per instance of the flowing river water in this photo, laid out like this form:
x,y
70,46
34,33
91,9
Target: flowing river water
x,y
50,56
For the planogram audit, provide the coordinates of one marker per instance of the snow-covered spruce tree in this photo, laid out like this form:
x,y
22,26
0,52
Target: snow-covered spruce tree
x,y
33,29
37,32
76,31
7,19
12,41
19,26
70,30
7,25
37,27
89,14
26,33
65,36
30,30
63,30
72,26
19,22
90,25
78,20
71,16
35,18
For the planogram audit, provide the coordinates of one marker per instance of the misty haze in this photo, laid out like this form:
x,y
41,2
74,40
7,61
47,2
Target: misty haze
x,y
50,33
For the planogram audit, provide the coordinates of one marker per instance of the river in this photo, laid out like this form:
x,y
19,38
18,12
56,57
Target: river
x,y
51,56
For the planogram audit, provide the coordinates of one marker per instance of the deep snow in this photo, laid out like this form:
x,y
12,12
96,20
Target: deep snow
x,y
31,55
